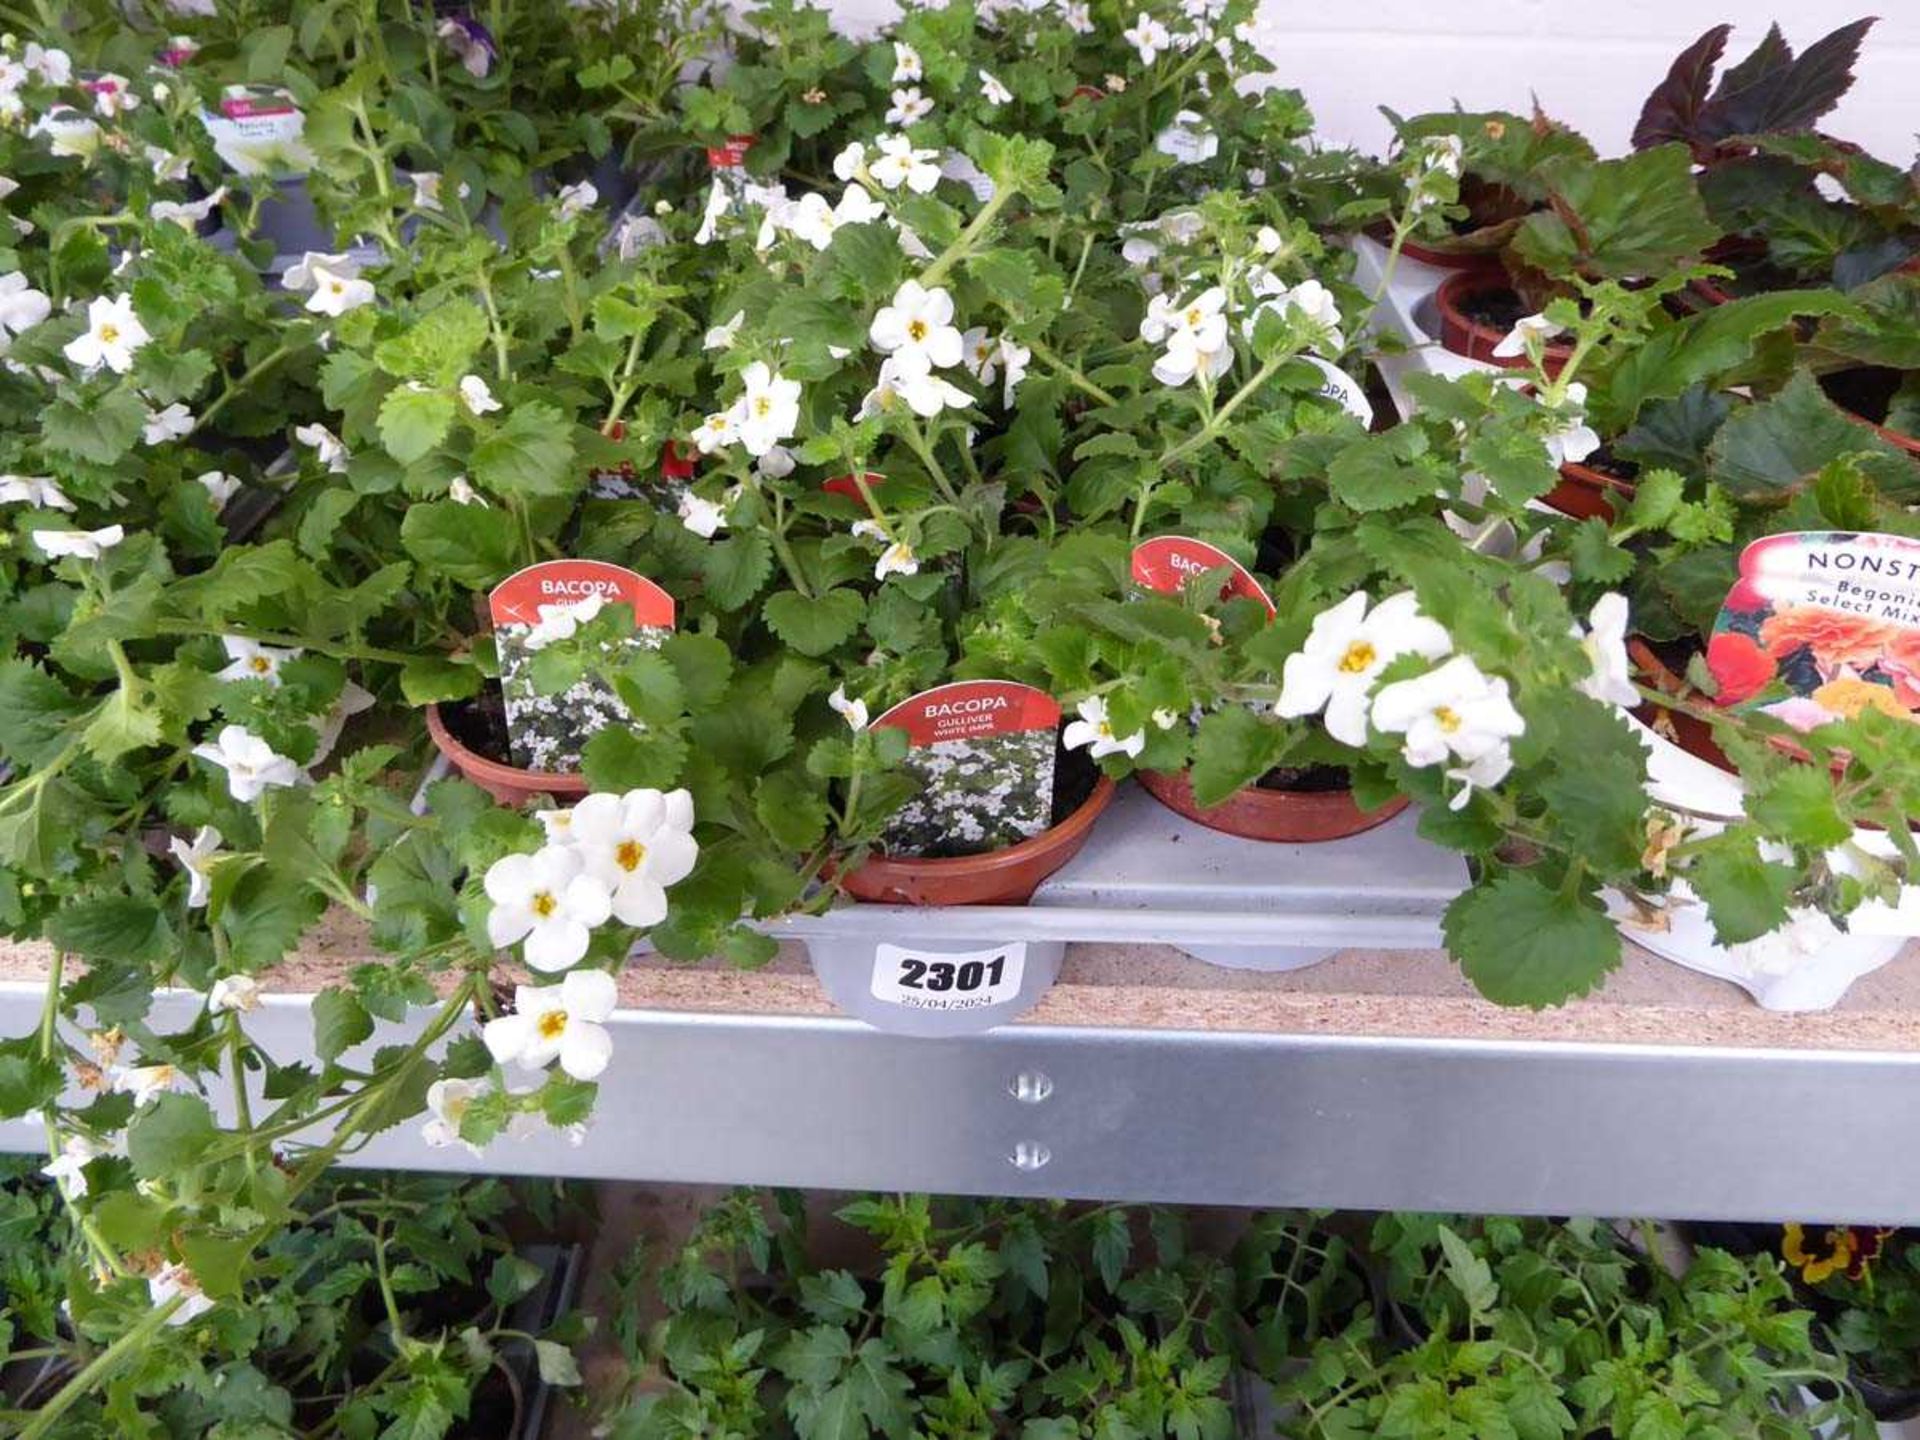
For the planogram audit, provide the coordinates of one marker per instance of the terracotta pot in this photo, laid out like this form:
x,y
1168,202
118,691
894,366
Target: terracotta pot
x,y
1000,877
1689,732
508,784
1427,255
1584,491
1466,336
1293,816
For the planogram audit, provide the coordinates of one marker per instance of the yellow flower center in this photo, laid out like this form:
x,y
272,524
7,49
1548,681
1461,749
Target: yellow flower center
x,y
762,406
716,423
629,854
544,904
336,287
109,333
260,665
1106,731
1358,659
916,330
552,1024
1195,315
1447,718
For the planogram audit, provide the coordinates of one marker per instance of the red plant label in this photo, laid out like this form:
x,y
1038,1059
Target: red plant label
x,y
847,486
1821,625
1167,563
732,155
519,599
983,755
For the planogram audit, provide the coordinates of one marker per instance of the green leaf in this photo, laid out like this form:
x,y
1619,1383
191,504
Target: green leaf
x,y
36,712
1112,1245
1617,219
1374,473
1468,1273
1594,555
814,626
438,349
101,429
531,454
123,724
735,568
556,1363
1768,451
814,1356
620,759
111,927
470,546
1797,805
169,1135
429,680
320,526
1524,944
510,1277
794,812
340,1022
413,421
1746,896
1232,749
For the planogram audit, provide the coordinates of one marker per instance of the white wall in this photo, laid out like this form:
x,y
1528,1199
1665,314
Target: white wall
x,y
1591,62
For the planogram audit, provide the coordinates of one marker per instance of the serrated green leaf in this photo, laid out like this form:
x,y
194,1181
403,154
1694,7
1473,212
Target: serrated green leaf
x,y
169,1135
413,421
530,454
1524,944
813,626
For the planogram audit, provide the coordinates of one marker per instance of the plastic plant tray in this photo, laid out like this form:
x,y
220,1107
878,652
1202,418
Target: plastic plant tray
x,y
1149,877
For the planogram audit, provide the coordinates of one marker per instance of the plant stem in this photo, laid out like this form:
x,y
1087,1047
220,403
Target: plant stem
x,y
963,243
1066,367
247,377
100,1367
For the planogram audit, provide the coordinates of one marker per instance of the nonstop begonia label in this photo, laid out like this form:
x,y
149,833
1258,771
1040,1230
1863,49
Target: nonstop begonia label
x,y
1821,625
983,751
1168,562
545,605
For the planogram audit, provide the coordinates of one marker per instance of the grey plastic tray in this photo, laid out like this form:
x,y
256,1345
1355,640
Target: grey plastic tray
x,y
1147,876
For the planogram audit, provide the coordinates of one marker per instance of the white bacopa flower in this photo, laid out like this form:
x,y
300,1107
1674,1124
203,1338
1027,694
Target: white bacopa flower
x,y
196,857
220,487
1343,656
68,1169
992,91
1195,334
851,162
21,306
636,844
560,1022
1314,303
113,334
768,410
867,530
326,446
897,559
172,423
776,464
854,712
36,490
426,189
1164,719
166,165
1605,641
577,199
1268,241
1575,440
1015,358
1452,713
719,201
702,516
548,900
460,490
81,544
251,764
1149,37
909,106
980,354
1077,16
176,1282
899,163
477,396
906,62
1528,327
448,1102
857,207
557,823
351,701
562,620
716,432
145,1083
1443,153
54,67
1093,731
721,337
188,215
811,219
1187,139
336,292
304,273
917,330
923,392
250,660
234,994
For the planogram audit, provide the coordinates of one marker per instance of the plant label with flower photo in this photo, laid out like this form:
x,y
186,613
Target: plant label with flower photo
x,y
951,981
1821,625
541,609
1167,563
1342,389
983,752
258,129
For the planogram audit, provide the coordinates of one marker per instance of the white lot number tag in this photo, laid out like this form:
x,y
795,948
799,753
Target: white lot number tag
x,y
964,980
